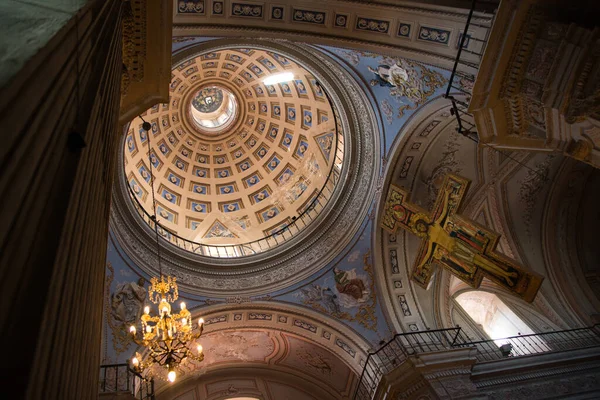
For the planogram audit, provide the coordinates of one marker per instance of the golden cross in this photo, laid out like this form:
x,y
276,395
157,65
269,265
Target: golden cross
x,y
456,243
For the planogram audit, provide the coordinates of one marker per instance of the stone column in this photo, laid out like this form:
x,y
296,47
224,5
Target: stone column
x,y
59,117
436,375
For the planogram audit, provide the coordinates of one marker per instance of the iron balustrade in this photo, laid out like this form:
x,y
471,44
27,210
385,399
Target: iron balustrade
x,y
120,378
393,353
459,92
308,214
536,343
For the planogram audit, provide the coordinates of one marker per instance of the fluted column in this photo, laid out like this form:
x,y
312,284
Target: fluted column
x,y
59,117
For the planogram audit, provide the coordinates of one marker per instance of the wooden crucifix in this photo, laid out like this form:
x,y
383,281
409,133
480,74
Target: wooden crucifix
x,y
456,243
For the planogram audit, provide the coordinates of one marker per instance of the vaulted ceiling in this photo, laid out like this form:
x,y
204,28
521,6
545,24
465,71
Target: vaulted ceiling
x,y
306,310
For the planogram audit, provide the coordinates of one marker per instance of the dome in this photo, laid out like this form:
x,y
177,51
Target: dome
x,y
239,166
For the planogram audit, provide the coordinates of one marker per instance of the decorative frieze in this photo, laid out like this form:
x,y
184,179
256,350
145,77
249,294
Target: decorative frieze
x,y
394,261
404,306
277,13
246,10
434,35
216,320
260,316
218,7
305,325
404,29
190,7
340,21
344,346
406,166
308,16
372,25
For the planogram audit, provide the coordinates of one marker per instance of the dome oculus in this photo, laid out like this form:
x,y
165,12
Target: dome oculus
x,y
213,109
208,100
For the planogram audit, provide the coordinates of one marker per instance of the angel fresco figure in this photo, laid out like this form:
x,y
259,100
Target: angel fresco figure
x,y
387,76
401,84
323,295
346,282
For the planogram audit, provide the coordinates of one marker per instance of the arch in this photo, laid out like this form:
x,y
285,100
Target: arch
x,y
571,204
490,313
529,314
256,382
281,340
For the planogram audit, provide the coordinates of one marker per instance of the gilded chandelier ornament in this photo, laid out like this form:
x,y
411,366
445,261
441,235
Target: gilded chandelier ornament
x,y
167,336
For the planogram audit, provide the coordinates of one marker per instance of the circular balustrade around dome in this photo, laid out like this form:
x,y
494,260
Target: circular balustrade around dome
x,y
239,166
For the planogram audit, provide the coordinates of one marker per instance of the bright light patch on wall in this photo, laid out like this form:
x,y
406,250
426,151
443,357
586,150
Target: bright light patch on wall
x,y
278,78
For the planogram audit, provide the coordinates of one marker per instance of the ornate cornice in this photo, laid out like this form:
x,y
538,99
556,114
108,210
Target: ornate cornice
x,y
431,58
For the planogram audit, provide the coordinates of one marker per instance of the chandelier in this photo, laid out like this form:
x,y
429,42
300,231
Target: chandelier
x,y
167,336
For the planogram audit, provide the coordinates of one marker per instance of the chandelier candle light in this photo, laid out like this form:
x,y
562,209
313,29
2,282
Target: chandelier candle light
x,y
167,336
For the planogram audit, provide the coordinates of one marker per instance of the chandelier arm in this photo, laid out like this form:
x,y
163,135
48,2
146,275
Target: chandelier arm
x,y
137,341
199,357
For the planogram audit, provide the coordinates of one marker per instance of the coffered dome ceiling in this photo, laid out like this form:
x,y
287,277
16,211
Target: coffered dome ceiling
x,y
235,161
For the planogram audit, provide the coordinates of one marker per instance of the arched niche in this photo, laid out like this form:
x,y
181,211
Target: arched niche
x,y
570,241
508,194
249,382
526,319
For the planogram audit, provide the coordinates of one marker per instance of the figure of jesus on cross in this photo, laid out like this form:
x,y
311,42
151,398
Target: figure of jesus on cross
x,y
455,242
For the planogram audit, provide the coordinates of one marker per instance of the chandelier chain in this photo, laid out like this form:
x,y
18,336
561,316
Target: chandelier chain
x,y
149,133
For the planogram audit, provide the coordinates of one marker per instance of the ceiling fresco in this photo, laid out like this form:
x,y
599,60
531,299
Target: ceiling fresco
x,y
398,86
346,290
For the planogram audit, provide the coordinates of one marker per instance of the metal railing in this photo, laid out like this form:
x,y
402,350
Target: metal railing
x,y
397,350
310,211
462,80
545,342
393,353
120,378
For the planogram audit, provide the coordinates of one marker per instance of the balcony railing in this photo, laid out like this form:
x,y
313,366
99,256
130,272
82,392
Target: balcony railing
x,y
465,70
120,379
397,350
402,346
545,342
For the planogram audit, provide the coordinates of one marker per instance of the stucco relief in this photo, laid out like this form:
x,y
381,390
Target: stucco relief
x,y
449,163
410,83
123,307
531,185
316,361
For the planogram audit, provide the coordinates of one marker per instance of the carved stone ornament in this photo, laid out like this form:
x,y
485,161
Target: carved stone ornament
x,y
311,249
